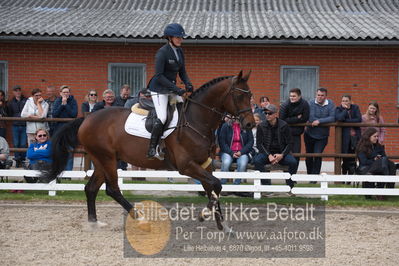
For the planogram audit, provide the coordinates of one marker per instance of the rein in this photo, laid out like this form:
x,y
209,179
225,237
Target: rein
x,y
185,123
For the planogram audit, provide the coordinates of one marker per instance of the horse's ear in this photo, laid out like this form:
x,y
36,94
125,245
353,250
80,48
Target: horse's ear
x,y
246,77
239,77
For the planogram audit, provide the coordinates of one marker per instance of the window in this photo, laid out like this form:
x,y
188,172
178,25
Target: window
x,y
126,73
305,78
3,76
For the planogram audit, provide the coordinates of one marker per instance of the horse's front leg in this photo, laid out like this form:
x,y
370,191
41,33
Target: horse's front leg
x,y
212,187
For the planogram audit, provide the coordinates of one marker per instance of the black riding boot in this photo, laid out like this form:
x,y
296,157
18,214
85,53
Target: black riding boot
x,y
155,136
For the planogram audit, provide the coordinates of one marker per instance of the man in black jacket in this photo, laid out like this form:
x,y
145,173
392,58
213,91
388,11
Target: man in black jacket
x,y
273,139
293,111
19,137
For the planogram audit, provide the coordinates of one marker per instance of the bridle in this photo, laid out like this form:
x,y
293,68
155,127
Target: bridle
x,y
231,91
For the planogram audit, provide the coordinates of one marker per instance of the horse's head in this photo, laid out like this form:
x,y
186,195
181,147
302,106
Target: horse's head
x,y
238,101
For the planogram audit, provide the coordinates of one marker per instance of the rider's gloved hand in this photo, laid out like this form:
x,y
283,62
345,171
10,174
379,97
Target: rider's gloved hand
x,y
189,87
180,92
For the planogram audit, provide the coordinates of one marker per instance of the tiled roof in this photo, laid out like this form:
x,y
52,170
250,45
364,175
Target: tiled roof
x,y
207,19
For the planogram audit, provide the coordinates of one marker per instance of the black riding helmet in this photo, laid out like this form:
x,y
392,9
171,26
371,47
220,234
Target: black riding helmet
x,y
174,30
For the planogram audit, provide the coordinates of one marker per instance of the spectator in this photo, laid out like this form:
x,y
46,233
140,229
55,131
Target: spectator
x,y
273,139
65,107
39,153
373,116
51,96
373,160
3,113
349,113
133,100
256,109
124,96
255,149
15,107
293,111
108,100
321,111
90,100
264,102
4,153
235,145
35,107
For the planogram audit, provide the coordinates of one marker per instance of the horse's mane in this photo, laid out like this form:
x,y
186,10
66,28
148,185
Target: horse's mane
x,y
209,84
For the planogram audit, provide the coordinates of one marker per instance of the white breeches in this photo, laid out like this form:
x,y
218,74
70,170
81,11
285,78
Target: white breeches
x,y
161,103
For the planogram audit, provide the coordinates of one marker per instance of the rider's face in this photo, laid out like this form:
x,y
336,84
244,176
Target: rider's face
x,y
176,41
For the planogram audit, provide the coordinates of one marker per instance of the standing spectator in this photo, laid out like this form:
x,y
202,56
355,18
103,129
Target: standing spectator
x,y
108,100
293,111
273,139
264,102
51,96
373,116
321,111
256,109
373,160
15,107
3,113
35,107
123,96
255,149
235,145
349,113
90,100
65,107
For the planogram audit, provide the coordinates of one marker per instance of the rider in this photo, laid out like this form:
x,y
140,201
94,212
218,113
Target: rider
x,y
169,61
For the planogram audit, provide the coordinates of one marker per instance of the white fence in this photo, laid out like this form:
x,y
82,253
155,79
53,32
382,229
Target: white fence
x,y
324,190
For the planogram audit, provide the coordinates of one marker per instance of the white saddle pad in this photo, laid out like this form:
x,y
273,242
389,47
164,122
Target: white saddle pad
x,y
135,125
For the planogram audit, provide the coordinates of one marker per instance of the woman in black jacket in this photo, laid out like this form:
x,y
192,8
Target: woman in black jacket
x,y
373,159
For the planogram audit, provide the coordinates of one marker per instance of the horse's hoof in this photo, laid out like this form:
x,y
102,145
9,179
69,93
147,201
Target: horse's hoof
x,y
97,225
201,218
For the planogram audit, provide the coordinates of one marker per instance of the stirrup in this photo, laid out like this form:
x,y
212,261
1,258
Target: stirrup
x,y
158,154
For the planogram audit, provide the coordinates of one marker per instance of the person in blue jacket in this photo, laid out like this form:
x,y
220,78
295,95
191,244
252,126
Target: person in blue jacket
x,y
64,106
169,61
349,113
39,153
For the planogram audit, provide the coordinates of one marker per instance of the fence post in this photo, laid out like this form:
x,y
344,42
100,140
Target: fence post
x,y
52,183
120,183
257,184
338,146
324,184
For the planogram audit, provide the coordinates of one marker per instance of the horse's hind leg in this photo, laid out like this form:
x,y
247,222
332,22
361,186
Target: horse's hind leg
x,y
91,190
112,188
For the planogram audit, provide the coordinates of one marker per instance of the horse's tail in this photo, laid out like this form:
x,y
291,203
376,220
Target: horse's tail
x,y
62,143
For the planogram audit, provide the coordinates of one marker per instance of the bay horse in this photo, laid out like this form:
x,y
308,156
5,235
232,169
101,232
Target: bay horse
x,y
191,144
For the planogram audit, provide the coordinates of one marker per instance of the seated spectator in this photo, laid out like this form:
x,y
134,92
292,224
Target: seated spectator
x,y
373,116
349,113
373,160
264,102
108,100
35,107
4,153
273,139
90,100
235,145
39,153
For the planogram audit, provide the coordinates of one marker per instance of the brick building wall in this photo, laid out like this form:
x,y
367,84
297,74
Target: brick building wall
x,y
368,73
